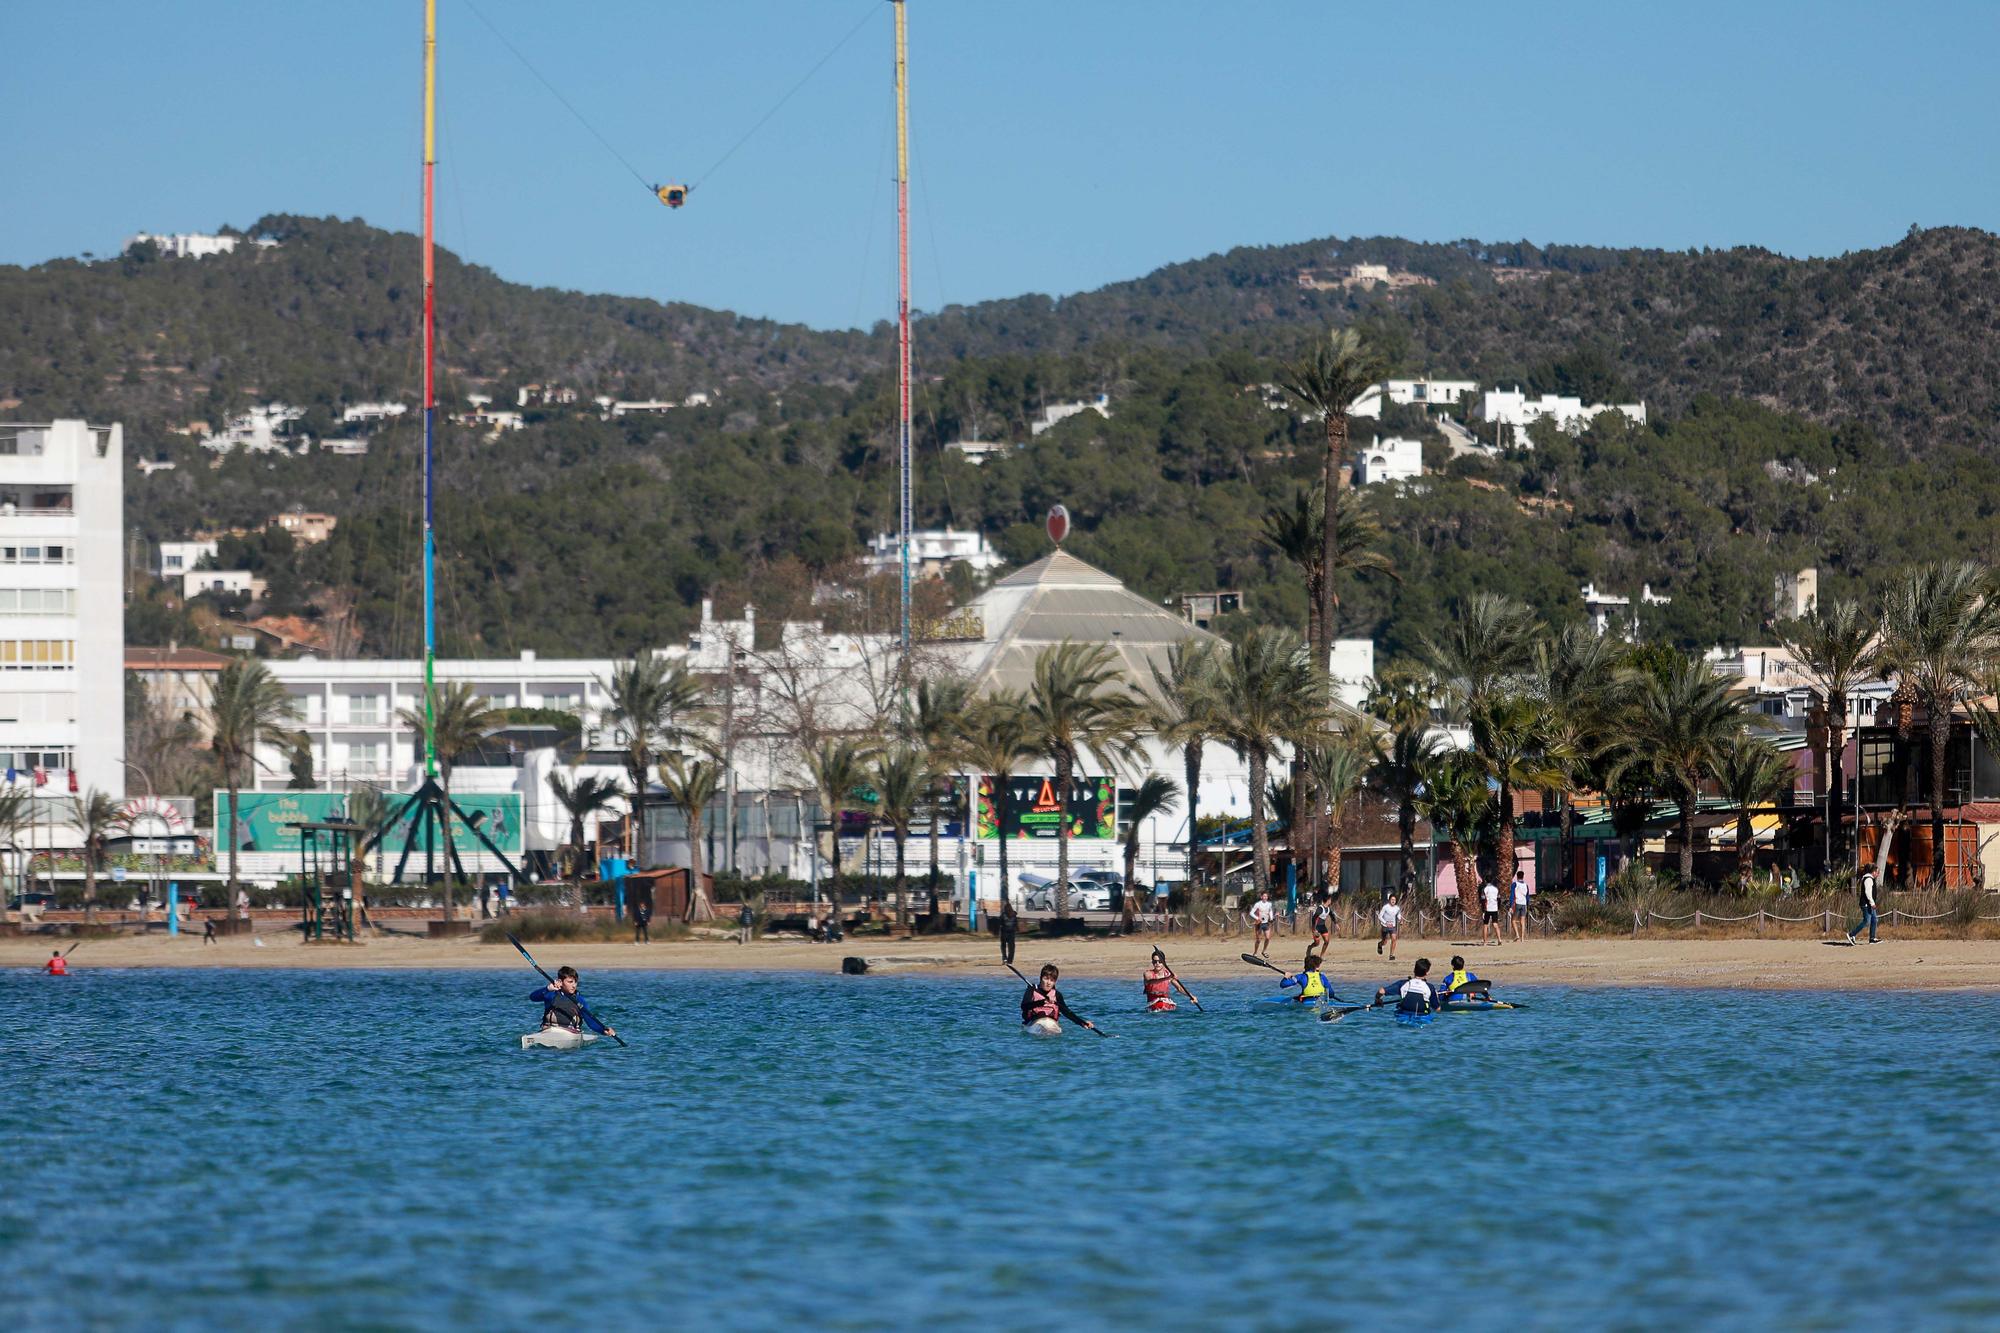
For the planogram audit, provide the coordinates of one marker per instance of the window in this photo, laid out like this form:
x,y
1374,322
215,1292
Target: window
x,y
37,601
365,710
22,762
37,654
367,760
37,555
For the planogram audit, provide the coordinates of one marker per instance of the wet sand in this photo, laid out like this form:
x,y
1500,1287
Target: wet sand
x,y
1789,963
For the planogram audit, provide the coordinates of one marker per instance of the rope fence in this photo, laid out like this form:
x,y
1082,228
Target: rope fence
x,y
1826,919
1426,922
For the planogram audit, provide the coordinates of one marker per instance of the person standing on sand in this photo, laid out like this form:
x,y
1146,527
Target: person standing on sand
x,y
1489,911
1868,916
1518,908
1390,919
1262,914
745,918
1010,930
642,911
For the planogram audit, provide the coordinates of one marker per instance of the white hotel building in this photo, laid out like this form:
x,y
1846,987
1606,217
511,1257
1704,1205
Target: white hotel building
x,y
62,599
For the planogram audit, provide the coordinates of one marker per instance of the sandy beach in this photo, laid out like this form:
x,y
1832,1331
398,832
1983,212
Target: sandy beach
x,y
1898,964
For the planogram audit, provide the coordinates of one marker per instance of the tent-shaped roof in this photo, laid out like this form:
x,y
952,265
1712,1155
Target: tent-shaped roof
x,y
1059,598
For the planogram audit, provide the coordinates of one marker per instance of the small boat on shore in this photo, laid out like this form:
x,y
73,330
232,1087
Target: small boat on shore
x,y
557,1039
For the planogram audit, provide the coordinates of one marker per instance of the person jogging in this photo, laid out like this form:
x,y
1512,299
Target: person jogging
x,y
1262,914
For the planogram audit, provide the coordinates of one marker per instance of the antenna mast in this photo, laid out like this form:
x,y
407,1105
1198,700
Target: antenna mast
x,y
903,459
430,387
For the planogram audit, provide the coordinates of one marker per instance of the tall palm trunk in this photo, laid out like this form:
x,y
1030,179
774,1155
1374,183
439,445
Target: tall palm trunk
x,y
1686,808
1940,742
1464,872
1003,785
1191,764
1503,868
934,840
1406,831
1746,846
1063,779
902,835
235,842
1336,482
1260,839
1568,842
1836,773
89,882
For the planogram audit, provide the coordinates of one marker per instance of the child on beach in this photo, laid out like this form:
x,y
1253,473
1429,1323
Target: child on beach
x,y
1390,919
563,1007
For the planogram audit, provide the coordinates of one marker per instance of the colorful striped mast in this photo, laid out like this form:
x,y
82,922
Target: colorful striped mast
x,y
430,386
903,310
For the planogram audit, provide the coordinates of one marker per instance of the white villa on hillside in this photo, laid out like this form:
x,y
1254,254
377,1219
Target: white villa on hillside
x,y
1514,410
1393,459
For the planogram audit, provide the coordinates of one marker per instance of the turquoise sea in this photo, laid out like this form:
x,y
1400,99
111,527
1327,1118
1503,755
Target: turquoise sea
x,y
320,1149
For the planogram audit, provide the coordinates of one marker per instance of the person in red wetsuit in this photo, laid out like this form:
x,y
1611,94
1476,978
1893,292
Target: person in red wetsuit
x,y
1159,981
58,966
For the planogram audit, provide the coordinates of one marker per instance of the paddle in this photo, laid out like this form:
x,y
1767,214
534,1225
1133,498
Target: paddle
x,y
72,949
1178,982
1265,962
1031,985
584,1008
1335,1015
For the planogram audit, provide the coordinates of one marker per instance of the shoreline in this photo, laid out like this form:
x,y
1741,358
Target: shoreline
x,y
1767,964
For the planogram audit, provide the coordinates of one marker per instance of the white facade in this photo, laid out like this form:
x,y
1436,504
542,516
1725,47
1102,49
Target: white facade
x,y
1352,669
1054,413
227,581
187,245
932,550
1513,409
626,409
62,597
1393,459
177,558
373,412
256,430
978,451
1418,393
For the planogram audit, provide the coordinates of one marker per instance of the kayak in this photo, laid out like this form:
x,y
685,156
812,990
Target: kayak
x,y
1474,1006
558,1039
1414,1020
1161,1007
1042,1027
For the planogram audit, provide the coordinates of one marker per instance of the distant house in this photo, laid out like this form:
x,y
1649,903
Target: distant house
x,y
1055,413
626,409
1201,608
179,680
1512,410
256,431
932,551
1424,393
308,529
1393,459
976,452
186,245
366,412
543,395
225,581
353,446
177,558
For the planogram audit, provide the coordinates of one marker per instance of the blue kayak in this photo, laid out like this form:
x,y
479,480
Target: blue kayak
x,y
1415,1020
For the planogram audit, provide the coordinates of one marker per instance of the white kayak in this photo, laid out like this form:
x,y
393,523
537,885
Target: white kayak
x,y
558,1039
1042,1027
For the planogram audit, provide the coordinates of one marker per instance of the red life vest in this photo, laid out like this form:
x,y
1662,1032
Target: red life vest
x,y
58,966
1043,1006
1158,988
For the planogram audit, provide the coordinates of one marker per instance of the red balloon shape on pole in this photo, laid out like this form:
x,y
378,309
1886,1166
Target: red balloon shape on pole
x,y
1058,524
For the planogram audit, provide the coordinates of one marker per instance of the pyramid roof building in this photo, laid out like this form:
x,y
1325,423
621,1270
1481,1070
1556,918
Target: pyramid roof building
x,y
1060,598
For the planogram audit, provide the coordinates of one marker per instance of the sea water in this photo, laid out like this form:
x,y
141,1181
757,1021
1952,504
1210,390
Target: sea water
x,y
352,1149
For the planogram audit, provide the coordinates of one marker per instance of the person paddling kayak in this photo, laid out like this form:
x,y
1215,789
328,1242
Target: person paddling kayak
x,y
1458,979
1043,1003
1413,993
1314,986
562,1007
57,966
1159,981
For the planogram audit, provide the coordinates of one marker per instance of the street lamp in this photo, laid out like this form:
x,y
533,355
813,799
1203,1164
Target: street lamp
x,y
153,804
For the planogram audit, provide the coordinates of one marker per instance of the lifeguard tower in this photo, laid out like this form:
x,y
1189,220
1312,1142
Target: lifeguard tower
x,y
330,908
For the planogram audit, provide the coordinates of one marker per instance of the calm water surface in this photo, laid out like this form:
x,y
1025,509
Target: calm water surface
x,y
372,1150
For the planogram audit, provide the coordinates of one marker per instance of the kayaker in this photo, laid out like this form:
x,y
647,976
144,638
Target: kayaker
x,y
1390,919
1159,982
1458,979
562,1007
1043,1000
57,966
1313,984
1413,993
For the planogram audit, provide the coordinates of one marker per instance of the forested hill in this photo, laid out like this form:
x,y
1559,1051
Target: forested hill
x,y
1901,338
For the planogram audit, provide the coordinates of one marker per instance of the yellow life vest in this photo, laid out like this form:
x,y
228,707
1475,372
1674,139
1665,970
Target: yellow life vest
x,y
1314,986
1457,978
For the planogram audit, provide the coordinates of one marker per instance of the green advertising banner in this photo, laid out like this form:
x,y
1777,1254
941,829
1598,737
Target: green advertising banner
x,y
1035,811
265,819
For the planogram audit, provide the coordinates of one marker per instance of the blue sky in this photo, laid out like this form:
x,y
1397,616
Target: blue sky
x,y
1059,144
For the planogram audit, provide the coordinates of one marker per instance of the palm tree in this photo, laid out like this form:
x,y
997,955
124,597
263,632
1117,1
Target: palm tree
x,y
652,700
16,812
1405,757
1833,646
1752,773
1682,724
1268,693
1940,637
692,784
96,816
901,780
580,799
1579,677
1513,741
836,768
1178,710
1075,707
1155,795
1338,766
937,706
1489,642
993,738
1455,800
1327,380
1400,696
247,707
369,808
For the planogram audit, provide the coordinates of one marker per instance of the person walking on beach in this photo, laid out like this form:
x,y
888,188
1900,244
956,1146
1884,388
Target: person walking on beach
x,y
1322,922
1489,913
642,911
1262,914
1010,931
1390,919
1868,916
1518,906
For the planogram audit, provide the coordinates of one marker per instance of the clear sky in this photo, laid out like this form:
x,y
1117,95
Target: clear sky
x,y
1059,144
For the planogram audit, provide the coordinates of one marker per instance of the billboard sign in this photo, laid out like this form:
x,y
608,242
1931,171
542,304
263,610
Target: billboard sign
x,y
1033,811
265,819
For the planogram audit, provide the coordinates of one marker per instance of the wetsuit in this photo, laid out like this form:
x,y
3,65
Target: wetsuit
x,y
560,1009
1036,1005
1313,986
1415,995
